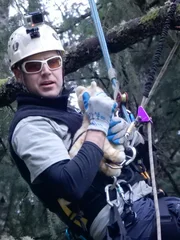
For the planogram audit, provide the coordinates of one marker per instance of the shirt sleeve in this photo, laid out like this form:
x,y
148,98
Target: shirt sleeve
x,y
37,142
71,179
43,145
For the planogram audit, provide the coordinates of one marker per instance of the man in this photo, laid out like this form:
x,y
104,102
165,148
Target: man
x,y
41,134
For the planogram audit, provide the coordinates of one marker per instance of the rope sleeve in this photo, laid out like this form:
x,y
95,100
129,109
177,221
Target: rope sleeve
x,y
156,58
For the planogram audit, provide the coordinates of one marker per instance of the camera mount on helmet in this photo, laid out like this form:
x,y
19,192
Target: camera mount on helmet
x,y
31,21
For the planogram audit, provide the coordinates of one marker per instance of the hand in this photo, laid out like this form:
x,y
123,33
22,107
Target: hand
x,y
117,130
99,110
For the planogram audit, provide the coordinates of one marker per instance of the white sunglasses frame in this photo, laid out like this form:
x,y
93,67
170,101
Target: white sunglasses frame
x,y
42,64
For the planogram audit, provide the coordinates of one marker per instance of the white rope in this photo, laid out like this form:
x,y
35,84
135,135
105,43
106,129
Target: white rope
x,y
156,205
144,103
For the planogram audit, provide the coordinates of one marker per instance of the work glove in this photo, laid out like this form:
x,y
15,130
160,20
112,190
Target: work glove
x,y
99,109
117,130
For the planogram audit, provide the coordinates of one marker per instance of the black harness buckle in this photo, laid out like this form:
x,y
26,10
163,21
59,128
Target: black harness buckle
x,y
128,216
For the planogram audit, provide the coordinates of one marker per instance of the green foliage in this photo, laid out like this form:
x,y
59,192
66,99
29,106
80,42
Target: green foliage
x,y
21,214
3,37
178,8
116,11
3,81
5,4
34,5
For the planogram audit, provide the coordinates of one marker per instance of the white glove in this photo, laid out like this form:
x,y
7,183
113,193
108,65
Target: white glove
x,y
117,130
99,110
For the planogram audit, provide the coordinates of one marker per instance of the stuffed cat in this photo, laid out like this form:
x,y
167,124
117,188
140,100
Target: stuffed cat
x,y
113,154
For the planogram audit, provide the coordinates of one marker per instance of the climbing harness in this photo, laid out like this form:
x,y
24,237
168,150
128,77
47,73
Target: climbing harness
x,y
69,235
142,116
75,221
117,185
128,216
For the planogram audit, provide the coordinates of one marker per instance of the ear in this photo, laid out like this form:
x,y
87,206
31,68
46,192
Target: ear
x,y
18,74
79,90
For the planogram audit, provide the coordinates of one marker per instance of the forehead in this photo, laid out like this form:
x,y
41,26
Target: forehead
x,y
42,55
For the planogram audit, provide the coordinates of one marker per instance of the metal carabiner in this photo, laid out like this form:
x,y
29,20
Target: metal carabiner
x,y
119,182
129,158
118,165
114,183
107,188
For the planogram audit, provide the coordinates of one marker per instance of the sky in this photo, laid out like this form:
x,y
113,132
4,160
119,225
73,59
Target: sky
x,y
50,6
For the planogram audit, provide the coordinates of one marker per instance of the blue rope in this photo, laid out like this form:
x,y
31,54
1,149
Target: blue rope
x,y
101,37
100,33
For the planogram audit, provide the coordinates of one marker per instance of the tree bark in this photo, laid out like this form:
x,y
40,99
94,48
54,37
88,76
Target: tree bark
x,y
8,92
119,38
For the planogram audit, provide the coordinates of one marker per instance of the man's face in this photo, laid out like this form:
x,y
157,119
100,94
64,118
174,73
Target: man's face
x,y
47,82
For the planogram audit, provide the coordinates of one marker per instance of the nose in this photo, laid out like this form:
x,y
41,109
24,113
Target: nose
x,y
45,70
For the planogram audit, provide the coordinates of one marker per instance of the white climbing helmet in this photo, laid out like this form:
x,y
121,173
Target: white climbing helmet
x,y
22,45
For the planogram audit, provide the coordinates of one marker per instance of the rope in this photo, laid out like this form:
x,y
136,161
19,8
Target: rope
x,y
149,90
156,58
102,41
156,205
147,87
145,100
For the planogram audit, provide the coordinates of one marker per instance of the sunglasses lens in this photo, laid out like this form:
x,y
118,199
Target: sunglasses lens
x,y
32,67
55,62
35,66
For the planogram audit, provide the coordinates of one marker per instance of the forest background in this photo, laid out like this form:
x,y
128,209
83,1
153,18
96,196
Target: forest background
x,y
132,51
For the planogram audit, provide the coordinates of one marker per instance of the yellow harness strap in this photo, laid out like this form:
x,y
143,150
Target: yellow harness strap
x,y
71,215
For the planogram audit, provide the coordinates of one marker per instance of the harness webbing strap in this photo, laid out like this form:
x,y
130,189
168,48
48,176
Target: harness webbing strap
x,y
164,212
169,224
115,229
72,215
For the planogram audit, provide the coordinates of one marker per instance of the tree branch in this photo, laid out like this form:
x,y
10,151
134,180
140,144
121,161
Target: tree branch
x,y
71,22
8,91
119,38
175,99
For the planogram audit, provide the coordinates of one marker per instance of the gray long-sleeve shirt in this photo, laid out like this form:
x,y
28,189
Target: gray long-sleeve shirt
x,y
40,142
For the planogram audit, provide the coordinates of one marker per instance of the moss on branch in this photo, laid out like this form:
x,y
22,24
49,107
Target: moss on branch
x,y
118,38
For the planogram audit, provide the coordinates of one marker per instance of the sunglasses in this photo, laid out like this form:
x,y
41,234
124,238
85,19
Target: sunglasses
x,y
35,66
